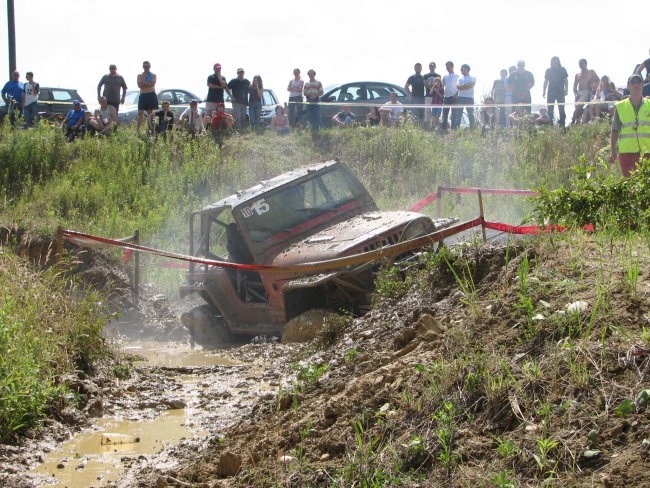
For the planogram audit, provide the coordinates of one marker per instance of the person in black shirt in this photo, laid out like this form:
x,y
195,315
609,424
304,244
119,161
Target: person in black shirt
x,y
556,84
239,93
216,86
414,88
165,121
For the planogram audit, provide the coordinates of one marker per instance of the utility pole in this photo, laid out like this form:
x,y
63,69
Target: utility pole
x,y
11,30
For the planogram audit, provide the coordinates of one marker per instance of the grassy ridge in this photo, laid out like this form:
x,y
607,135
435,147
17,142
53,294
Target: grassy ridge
x,y
111,186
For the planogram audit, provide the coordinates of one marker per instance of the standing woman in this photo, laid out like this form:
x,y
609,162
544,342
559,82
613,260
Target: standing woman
x,y
255,102
436,99
295,97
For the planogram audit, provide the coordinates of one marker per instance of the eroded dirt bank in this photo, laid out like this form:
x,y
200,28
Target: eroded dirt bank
x,y
451,381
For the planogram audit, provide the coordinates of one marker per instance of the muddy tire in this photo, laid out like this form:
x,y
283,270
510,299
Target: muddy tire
x,y
206,328
305,326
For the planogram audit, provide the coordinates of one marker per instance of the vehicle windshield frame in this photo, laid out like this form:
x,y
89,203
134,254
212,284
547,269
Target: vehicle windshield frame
x,y
290,210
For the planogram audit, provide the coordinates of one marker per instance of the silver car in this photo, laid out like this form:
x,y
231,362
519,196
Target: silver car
x,y
178,100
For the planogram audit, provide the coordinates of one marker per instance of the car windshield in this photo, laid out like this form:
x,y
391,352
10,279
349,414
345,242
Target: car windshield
x,y
131,97
293,205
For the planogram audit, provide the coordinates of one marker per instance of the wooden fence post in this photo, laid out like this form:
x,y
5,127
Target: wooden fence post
x,y
480,207
136,271
439,203
59,245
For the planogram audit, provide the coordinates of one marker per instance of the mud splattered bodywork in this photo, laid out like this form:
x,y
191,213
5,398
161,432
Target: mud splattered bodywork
x,y
310,214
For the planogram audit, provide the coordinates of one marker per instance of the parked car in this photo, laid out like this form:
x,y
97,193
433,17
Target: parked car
x,y
358,95
309,214
53,103
178,100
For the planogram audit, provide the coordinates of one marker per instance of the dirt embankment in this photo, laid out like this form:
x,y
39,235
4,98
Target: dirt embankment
x,y
478,376
488,380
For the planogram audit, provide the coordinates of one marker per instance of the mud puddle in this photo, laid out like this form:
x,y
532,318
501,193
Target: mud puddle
x,y
85,462
176,393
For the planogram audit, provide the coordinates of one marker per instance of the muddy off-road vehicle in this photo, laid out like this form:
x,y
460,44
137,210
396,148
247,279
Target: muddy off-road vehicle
x,y
310,214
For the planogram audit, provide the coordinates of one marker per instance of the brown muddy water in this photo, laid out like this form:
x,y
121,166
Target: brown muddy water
x,y
84,462
195,393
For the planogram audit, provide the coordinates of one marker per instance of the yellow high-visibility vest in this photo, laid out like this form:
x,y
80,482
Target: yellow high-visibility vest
x,y
634,136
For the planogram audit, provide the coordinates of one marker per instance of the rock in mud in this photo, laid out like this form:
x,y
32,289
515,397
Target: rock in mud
x,y
229,464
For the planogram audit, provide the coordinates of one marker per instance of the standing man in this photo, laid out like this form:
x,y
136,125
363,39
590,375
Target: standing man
x,y
239,94
630,135
113,84
216,86
556,80
521,82
12,95
414,88
313,90
30,100
450,87
465,97
428,96
148,101
584,85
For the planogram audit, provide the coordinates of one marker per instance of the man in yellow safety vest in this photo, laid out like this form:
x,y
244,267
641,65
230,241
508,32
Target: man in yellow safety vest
x,y
631,127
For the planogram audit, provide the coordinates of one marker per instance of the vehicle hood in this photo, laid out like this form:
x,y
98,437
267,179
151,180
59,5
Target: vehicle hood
x,y
362,233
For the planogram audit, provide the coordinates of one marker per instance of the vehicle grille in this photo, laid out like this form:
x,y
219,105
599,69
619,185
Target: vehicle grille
x,y
386,241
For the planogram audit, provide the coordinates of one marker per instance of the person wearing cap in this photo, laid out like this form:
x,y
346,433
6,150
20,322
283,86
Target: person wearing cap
x,y
12,92
239,88
113,84
191,119
74,122
630,136
217,84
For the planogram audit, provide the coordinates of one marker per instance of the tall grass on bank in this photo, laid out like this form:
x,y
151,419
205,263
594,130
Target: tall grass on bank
x,y
111,186
44,334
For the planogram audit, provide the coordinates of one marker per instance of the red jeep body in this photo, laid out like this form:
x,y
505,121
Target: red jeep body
x,y
310,214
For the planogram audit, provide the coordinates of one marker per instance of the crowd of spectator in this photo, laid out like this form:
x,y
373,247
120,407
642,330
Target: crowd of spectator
x,y
438,102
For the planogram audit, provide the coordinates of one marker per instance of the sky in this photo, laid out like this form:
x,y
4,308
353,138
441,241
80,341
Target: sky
x,y
70,43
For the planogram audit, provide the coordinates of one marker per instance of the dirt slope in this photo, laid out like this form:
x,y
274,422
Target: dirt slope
x,y
495,366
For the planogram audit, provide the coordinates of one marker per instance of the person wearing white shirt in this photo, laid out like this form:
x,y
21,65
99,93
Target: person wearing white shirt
x,y
391,111
30,100
192,120
450,86
465,86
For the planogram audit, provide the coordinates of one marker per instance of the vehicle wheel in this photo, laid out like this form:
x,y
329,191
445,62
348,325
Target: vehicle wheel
x,y
206,328
305,326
